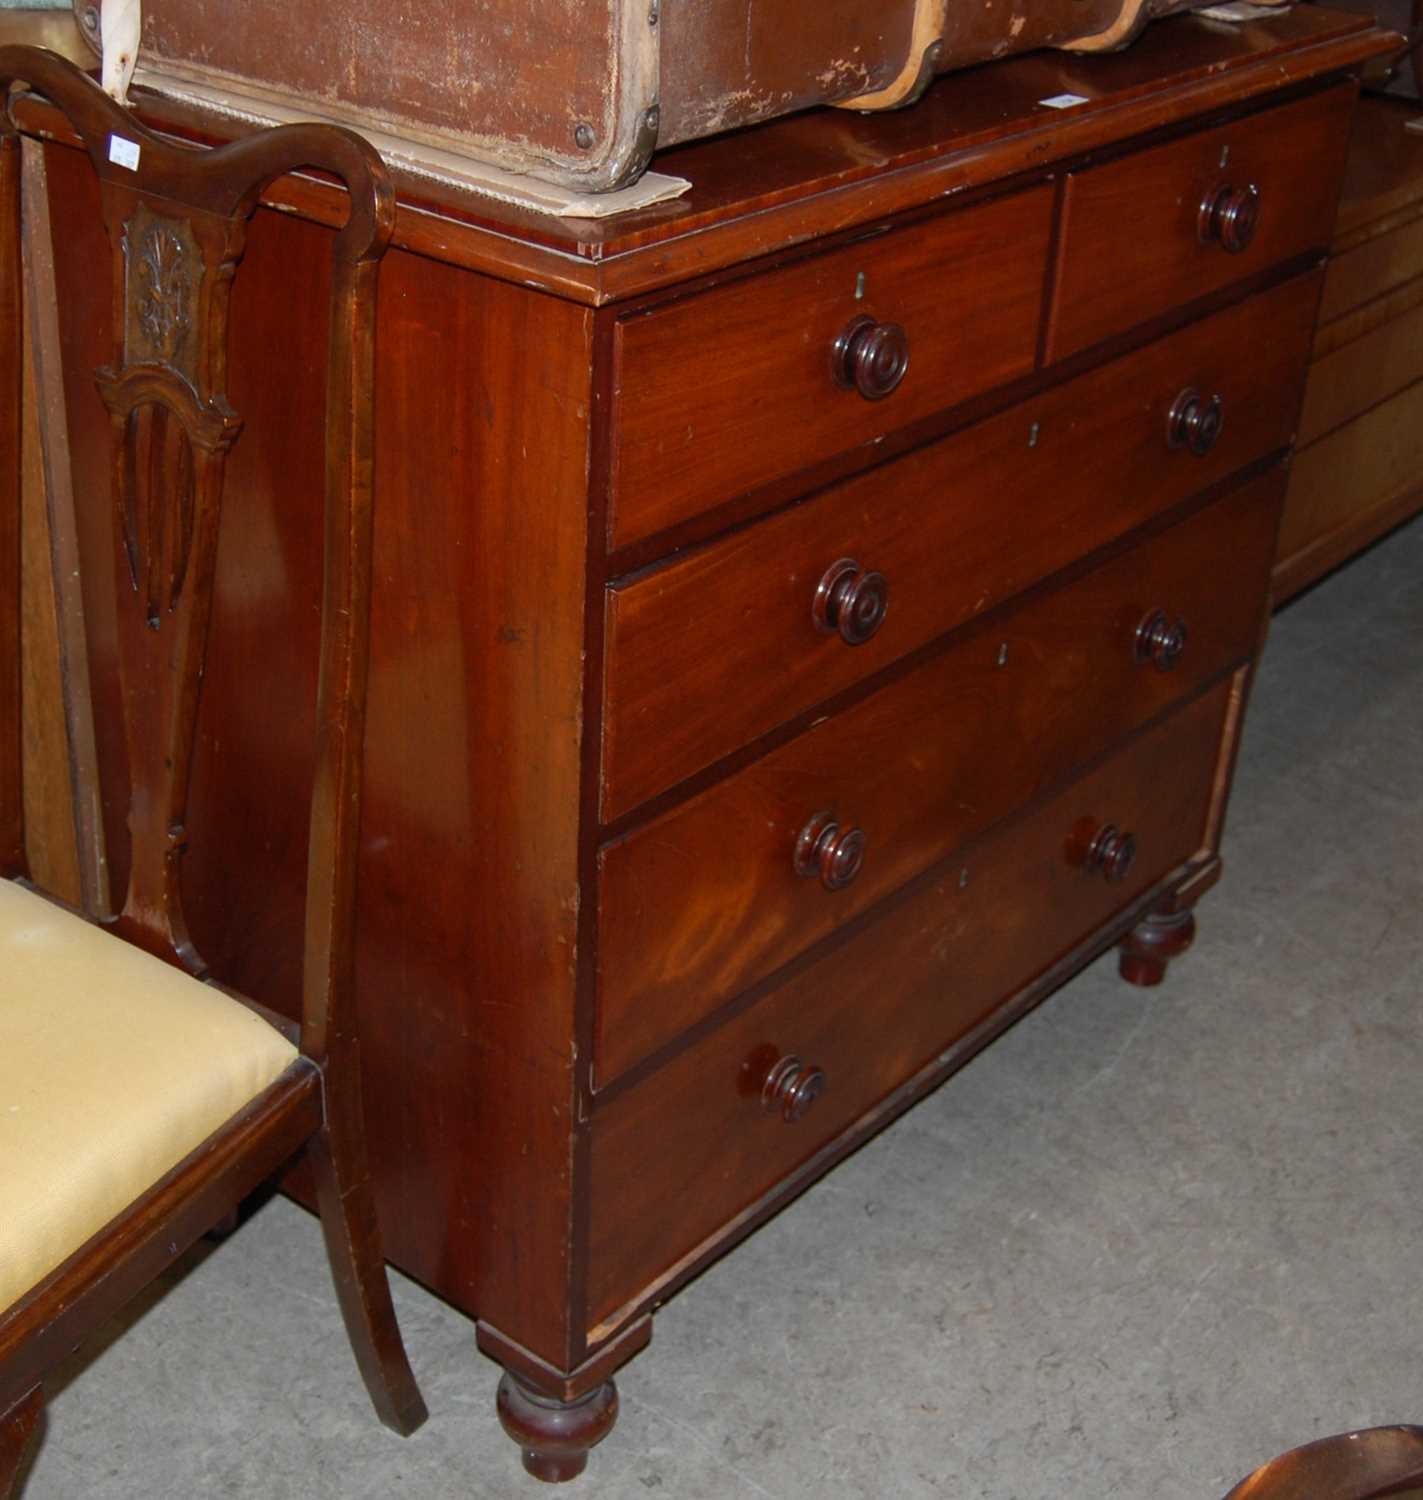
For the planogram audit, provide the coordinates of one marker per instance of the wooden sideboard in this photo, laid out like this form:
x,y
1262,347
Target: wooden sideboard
x,y
1359,469
813,619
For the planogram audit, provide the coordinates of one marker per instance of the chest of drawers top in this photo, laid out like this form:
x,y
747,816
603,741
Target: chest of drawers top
x,y
756,193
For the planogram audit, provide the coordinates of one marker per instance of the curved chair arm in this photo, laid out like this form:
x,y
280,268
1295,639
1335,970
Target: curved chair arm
x,y
1367,1465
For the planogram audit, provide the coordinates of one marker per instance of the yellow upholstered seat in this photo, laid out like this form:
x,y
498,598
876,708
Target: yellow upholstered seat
x,y
113,1067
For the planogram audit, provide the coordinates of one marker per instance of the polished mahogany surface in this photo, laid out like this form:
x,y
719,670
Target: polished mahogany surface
x,y
789,663
693,1117
906,765
767,357
1070,470
1167,225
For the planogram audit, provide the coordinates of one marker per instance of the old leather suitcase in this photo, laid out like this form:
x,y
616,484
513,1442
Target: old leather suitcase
x,y
580,92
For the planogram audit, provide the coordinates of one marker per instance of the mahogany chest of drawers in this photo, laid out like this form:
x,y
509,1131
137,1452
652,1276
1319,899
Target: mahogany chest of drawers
x,y
813,619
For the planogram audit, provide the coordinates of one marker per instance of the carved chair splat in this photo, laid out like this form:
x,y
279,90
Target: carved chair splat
x,y
177,219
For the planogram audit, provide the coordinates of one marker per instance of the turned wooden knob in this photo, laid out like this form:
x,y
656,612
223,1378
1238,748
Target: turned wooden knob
x,y
1110,853
833,853
851,601
1194,422
791,1087
870,357
1160,640
1229,216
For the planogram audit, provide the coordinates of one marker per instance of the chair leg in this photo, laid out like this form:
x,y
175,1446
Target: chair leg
x,y
17,1427
353,1245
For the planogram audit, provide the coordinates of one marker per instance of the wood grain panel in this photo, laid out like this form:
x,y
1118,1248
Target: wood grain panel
x,y
955,527
1384,177
1130,247
67,853
1362,525
1360,374
676,1157
469,872
1350,487
724,391
702,902
51,835
1374,313
471,880
1373,268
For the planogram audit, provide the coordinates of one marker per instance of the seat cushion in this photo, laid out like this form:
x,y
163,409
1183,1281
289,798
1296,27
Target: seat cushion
x,y
113,1067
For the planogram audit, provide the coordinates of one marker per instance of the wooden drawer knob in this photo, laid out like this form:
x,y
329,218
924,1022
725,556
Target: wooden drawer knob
x,y
850,601
791,1087
1194,422
1160,640
870,357
1229,216
1110,853
833,853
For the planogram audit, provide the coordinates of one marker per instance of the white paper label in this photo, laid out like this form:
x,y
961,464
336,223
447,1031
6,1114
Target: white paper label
x,y
123,152
1064,101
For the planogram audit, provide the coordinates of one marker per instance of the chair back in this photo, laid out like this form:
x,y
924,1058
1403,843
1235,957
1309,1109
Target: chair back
x,y
228,1102
177,218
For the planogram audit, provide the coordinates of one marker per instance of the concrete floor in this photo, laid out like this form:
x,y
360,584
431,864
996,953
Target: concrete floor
x,y
1144,1242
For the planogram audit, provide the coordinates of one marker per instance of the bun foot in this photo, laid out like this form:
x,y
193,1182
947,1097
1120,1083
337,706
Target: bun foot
x,y
1152,944
555,1436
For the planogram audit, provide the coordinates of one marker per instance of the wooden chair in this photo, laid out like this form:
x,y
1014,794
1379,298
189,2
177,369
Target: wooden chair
x,y
1368,1465
139,1103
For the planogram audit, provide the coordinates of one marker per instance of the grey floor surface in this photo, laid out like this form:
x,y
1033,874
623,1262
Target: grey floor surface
x,y
1144,1242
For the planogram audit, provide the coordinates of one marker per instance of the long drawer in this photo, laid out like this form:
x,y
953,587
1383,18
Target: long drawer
x,y
1053,685
709,652
678,1156
1138,237
718,393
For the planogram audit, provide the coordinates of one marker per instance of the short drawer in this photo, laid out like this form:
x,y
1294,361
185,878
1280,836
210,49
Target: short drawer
x,y
707,653
1138,238
707,899
676,1158
730,389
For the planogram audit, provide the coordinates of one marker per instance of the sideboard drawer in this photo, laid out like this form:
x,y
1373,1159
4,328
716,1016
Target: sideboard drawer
x,y
954,529
720,392
678,1156
1051,686
1136,239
